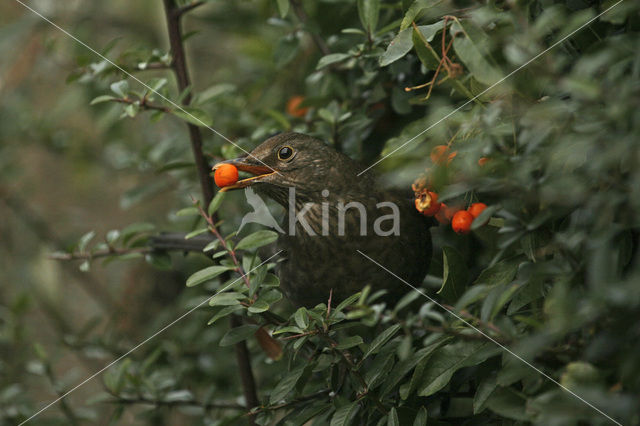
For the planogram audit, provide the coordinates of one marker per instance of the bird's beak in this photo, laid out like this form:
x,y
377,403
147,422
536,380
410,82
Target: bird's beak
x,y
249,165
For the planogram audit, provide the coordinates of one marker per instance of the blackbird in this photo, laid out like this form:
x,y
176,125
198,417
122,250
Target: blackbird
x,y
331,213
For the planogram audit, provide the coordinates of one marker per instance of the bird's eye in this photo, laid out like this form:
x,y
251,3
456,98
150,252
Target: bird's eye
x,y
285,153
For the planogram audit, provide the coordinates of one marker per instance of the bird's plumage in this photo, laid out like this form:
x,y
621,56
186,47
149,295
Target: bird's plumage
x,y
321,254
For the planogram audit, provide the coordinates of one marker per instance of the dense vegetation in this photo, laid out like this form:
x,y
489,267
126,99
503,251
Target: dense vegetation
x,y
531,317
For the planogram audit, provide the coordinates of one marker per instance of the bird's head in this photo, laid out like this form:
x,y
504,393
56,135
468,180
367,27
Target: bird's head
x,y
299,161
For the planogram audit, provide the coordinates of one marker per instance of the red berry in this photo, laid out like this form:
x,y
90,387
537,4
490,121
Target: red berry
x,y
476,208
461,222
225,175
434,207
446,212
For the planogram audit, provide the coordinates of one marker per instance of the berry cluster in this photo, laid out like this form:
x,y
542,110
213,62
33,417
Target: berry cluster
x,y
426,201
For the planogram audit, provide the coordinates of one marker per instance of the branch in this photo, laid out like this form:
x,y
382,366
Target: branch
x,y
166,241
206,406
173,14
143,104
179,65
150,66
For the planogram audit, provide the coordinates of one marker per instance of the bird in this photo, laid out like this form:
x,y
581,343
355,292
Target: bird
x,y
333,216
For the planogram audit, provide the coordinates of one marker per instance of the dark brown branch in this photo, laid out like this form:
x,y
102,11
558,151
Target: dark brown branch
x,y
246,372
152,66
168,241
206,406
302,16
173,14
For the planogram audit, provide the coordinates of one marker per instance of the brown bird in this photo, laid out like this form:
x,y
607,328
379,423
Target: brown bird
x,y
331,214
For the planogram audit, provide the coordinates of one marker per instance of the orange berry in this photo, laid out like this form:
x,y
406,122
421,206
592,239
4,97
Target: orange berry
x,y
451,156
293,106
461,222
445,213
476,208
482,161
225,175
440,216
438,154
449,211
434,206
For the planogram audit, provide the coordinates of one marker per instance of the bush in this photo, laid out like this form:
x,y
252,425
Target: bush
x,y
532,317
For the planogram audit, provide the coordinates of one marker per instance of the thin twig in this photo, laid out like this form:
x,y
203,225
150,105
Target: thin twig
x,y
143,104
189,7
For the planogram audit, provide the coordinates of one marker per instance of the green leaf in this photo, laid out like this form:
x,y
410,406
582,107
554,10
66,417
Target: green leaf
x,y
85,239
211,246
188,211
347,302
501,273
193,116
135,229
404,367
343,415
485,389
238,334
286,50
449,359
132,110
429,58
283,7
101,99
380,340
455,276
288,329
182,395
421,417
415,9
120,88
226,299
301,318
349,342
215,203
207,274
369,11
224,312
331,58
196,232
472,47
257,239
392,418
508,403
160,260
286,385
399,46
112,236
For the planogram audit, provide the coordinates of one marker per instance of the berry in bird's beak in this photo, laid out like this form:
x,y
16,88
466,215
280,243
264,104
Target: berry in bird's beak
x,y
242,164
